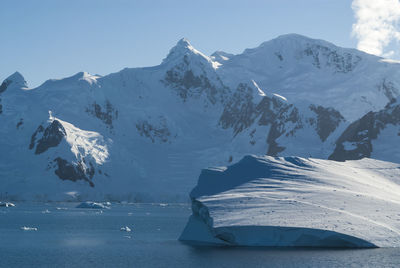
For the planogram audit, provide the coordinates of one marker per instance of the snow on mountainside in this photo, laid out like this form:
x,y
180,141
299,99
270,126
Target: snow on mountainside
x,y
304,69
133,134
292,201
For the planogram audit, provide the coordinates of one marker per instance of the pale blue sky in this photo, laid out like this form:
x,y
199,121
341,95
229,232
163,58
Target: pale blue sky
x,y
54,39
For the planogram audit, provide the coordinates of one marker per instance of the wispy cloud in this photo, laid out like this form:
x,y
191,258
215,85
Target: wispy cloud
x,y
376,25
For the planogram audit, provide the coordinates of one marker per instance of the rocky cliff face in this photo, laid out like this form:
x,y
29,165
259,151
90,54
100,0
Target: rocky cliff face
x,y
143,134
50,137
356,141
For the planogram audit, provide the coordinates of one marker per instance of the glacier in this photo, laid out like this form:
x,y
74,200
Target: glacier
x,y
293,201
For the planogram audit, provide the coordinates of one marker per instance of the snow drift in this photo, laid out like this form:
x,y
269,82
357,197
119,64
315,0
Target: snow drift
x,y
292,201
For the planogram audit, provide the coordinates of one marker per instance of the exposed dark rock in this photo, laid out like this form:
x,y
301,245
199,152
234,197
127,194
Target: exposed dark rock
x,y
342,63
52,137
389,90
74,172
279,56
3,88
360,133
106,114
328,119
188,84
20,123
278,114
40,129
160,132
275,132
240,111
4,85
252,140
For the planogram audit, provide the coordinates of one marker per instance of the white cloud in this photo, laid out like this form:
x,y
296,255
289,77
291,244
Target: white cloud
x,y
376,25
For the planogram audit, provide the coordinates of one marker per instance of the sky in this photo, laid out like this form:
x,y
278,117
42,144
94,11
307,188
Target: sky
x,y
50,39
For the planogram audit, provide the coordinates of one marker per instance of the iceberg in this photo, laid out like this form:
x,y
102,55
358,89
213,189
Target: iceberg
x,y
6,204
297,202
94,205
25,228
125,229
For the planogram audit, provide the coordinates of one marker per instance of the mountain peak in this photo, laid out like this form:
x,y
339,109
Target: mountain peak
x,y
294,36
295,40
181,49
184,42
16,78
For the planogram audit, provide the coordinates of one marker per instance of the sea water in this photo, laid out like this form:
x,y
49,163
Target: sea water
x,y
70,237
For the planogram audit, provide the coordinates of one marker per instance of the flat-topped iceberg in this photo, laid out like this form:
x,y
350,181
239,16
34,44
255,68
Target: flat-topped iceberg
x,y
291,201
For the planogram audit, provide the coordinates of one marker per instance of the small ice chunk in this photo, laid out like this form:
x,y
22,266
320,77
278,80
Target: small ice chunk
x,y
6,204
163,205
25,228
126,229
46,211
94,205
72,194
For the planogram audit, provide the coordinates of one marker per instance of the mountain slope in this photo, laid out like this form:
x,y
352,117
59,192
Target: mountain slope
x,y
133,134
316,71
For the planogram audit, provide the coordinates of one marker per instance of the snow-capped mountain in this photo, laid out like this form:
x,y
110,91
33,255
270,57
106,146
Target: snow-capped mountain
x,y
144,134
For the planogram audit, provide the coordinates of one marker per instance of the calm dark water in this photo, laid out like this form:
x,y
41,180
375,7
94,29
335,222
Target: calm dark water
x,y
73,237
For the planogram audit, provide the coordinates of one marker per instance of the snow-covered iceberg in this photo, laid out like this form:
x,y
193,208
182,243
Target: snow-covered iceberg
x,y
292,201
